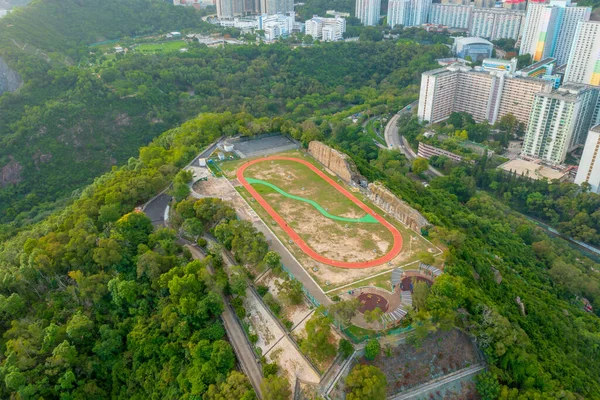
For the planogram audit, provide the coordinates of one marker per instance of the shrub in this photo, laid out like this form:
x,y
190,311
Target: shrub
x,y
372,349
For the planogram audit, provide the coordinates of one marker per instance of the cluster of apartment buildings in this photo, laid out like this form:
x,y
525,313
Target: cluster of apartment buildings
x,y
482,18
556,98
236,8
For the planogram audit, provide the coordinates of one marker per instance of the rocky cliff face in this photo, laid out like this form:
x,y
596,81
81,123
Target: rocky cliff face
x,y
9,79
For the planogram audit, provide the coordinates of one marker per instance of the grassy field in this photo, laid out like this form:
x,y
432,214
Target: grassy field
x,y
150,48
327,277
338,240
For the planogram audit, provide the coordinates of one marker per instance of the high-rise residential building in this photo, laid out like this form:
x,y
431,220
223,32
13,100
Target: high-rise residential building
x,y
368,11
483,94
229,8
571,18
399,13
272,7
515,4
420,11
550,28
584,61
589,166
496,23
452,15
484,3
407,12
559,121
326,29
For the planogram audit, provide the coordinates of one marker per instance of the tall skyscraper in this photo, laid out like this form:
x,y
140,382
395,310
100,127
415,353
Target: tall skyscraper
x,y
368,11
559,121
421,11
399,13
589,167
496,23
272,7
483,94
571,18
584,61
406,12
550,28
230,8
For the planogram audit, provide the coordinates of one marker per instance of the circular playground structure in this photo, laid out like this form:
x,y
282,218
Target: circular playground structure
x,y
370,217
370,301
407,283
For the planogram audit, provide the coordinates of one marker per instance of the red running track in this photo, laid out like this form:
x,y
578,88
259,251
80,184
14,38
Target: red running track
x,y
397,247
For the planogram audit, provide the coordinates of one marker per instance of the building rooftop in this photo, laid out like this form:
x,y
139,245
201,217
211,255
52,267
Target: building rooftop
x,y
471,40
595,128
539,64
533,169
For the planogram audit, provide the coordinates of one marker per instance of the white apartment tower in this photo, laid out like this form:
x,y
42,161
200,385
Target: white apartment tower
x,y
483,94
496,23
452,15
229,8
399,13
407,12
584,61
559,121
421,11
549,29
272,7
589,167
368,11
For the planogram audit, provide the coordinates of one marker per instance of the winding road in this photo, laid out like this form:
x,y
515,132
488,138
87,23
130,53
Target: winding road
x,y
397,142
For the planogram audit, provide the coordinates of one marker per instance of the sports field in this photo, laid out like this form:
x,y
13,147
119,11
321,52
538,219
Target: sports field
x,y
150,48
319,215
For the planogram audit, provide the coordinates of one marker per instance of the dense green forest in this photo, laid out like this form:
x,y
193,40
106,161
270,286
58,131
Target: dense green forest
x,y
81,122
96,304
547,350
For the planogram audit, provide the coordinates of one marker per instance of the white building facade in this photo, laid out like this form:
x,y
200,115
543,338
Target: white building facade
x,y
326,29
496,23
549,29
559,121
589,167
451,15
368,11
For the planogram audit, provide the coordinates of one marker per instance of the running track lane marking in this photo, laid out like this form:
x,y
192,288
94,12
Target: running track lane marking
x,y
396,248
368,218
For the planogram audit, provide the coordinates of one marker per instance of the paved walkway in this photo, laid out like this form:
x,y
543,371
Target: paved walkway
x,y
396,248
243,351
422,391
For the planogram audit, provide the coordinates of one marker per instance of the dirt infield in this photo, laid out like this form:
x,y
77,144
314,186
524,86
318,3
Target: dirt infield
x,y
369,301
389,256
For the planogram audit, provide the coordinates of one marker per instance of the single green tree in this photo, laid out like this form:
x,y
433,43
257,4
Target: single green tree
x,y
420,165
275,388
365,382
345,348
372,349
487,385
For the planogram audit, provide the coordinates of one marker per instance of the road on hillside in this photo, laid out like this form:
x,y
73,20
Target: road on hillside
x,y
397,142
155,208
236,335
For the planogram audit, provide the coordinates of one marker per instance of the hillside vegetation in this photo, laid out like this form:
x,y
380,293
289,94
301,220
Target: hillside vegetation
x,y
70,124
